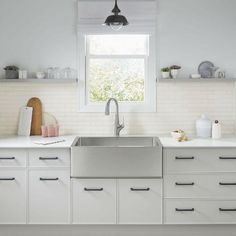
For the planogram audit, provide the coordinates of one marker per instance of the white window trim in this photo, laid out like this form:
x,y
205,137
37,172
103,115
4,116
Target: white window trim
x,y
149,105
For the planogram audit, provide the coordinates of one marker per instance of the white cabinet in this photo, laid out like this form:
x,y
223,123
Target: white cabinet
x,y
94,201
12,196
49,192
13,158
199,185
122,201
189,160
49,157
212,185
185,211
140,201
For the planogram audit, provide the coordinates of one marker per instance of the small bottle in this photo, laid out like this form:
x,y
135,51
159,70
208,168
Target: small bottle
x,y
216,130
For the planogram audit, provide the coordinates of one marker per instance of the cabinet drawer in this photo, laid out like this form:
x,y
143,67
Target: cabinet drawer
x,y
12,197
12,157
199,212
140,201
49,157
94,201
179,160
49,192
197,186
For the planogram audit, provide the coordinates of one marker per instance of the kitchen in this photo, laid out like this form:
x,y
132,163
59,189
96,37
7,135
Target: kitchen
x,y
37,35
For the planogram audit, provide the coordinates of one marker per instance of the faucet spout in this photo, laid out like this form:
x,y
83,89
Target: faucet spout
x,y
117,126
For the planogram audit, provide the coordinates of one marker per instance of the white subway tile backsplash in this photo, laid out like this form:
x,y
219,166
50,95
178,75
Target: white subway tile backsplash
x,y
178,106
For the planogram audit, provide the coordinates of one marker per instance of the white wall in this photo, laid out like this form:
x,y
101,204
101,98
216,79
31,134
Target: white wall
x,y
38,34
192,31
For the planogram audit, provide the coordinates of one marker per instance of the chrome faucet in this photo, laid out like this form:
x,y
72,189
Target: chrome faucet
x,y
118,127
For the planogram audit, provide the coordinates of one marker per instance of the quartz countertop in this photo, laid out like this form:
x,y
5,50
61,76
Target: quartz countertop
x,y
29,142
227,141
167,142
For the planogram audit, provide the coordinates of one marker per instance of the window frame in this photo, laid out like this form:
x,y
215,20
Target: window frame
x,y
149,103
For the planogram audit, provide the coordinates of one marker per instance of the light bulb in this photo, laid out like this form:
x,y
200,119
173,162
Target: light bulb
x,y
116,27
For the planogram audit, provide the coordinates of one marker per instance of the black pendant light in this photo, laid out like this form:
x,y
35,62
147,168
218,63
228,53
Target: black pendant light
x,y
116,21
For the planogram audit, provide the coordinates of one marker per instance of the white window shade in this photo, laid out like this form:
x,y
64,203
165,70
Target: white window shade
x,y
139,13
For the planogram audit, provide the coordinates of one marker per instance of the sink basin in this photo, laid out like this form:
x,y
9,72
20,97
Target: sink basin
x,y
116,157
117,141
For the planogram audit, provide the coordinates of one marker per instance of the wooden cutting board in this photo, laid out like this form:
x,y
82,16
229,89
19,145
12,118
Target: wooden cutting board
x,y
36,123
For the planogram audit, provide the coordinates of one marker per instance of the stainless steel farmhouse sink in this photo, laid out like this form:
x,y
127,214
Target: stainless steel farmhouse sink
x,y
116,157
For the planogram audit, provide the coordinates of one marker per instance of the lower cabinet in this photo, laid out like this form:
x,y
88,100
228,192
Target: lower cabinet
x,y
140,201
110,201
187,211
94,201
12,196
49,196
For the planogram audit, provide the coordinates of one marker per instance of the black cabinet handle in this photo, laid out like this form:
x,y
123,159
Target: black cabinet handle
x,y
93,189
7,158
184,184
48,179
227,209
139,189
184,158
227,184
7,179
227,158
186,209
48,158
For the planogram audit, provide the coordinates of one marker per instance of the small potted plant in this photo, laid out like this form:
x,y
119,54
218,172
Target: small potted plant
x,y
165,72
11,72
174,71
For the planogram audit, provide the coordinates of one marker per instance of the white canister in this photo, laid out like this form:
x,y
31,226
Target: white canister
x,y
216,130
203,127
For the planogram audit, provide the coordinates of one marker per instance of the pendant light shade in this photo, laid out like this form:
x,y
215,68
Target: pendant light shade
x,y
116,21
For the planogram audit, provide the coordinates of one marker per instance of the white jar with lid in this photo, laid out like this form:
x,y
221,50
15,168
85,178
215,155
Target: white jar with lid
x,y
203,127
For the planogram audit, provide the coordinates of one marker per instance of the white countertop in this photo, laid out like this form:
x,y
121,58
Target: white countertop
x,y
167,142
28,142
228,141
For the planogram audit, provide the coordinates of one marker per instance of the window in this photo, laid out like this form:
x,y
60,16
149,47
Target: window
x,y
118,66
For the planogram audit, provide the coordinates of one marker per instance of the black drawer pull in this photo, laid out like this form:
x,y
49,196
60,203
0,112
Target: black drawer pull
x,y
7,158
227,209
48,158
184,158
139,189
227,158
184,184
48,179
93,189
7,179
186,209
227,184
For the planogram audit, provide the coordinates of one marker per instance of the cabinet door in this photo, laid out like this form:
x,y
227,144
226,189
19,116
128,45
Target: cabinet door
x,y
140,201
13,157
12,197
94,201
214,185
191,211
49,196
49,157
191,160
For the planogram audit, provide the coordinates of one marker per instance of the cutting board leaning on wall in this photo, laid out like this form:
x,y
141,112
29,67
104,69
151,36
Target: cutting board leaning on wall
x,y
36,104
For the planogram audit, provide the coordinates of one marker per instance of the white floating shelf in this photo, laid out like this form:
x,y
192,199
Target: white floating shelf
x,y
35,80
198,80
